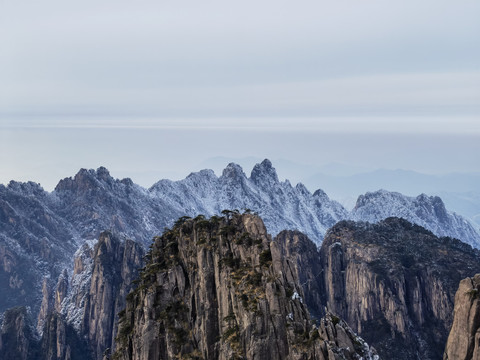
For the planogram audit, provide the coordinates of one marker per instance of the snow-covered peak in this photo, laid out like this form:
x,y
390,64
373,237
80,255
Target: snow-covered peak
x,y
202,176
264,174
26,188
233,171
320,194
432,205
423,210
302,189
103,174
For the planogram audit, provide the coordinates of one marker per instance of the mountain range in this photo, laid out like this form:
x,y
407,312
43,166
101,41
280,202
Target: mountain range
x,y
459,191
47,239
41,230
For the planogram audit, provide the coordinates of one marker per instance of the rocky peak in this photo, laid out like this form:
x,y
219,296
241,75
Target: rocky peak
x,y
426,211
394,282
102,278
17,336
377,197
206,174
204,178
86,180
320,193
233,172
464,339
26,188
264,174
219,288
342,343
302,189
433,205
127,182
103,174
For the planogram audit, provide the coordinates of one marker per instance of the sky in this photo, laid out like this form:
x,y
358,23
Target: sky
x,y
157,89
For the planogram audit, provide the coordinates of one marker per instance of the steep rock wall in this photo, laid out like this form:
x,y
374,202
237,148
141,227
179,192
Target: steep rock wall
x,y
394,283
464,338
220,289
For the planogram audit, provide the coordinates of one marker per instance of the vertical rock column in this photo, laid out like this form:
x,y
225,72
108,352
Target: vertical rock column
x,y
464,340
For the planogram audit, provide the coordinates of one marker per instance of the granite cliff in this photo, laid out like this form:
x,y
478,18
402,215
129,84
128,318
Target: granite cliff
x,y
394,282
17,336
89,302
464,339
221,289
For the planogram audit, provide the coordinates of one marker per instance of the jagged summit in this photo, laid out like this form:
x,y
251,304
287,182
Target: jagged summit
x,y
90,179
219,288
394,282
233,171
103,173
84,180
426,211
204,174
29,187
281,205
264,174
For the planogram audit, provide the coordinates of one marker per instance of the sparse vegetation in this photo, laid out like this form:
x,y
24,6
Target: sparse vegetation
x,y
335,320
288,292
228,230
231,261
265,258
473,293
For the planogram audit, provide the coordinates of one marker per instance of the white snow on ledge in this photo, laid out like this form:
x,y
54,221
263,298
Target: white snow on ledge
x,y
296,296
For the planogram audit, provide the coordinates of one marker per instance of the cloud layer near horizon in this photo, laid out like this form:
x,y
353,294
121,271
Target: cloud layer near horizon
x,y
128,85
269,58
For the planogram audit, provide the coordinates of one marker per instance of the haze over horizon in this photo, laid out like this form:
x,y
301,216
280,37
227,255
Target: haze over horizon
x,y
154,90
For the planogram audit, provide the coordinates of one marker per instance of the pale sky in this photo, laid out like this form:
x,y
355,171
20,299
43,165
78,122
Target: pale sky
x,y
153,89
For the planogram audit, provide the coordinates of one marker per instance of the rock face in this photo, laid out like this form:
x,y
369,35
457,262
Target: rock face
x,y
17,341
102,278
93,201
394,283
79,318
464,339
423,210
61,341
220,289
303,258
340,342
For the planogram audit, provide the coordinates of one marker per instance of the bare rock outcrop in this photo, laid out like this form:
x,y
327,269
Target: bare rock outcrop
x,y
17,336
464,339
303,257
394,283
61,341
108,277
221,289
340,342
87,307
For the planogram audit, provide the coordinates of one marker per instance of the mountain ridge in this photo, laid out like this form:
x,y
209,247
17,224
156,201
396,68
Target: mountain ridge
x,y
44,229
